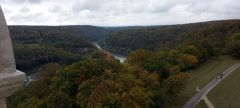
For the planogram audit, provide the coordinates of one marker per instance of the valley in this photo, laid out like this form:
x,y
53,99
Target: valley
x,y
119,54
159,63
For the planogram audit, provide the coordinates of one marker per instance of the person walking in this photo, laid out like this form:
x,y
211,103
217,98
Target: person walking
x,y
222,76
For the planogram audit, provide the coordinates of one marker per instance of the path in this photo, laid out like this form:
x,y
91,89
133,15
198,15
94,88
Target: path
x,y
198,96
209,104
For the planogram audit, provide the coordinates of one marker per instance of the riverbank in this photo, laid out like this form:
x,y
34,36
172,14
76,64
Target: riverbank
x,y
119,57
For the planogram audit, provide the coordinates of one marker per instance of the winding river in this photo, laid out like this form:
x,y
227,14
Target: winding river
x,y
119,57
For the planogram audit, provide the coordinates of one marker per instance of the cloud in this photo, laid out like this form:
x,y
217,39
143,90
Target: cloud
x,y
19,1
87,5
54,9
24,1
29,18
34,1
117,12
24,10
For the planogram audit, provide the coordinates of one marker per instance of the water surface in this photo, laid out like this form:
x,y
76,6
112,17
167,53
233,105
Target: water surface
x,y
119,57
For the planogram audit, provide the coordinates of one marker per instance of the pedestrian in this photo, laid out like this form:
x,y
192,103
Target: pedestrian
x,y
221,76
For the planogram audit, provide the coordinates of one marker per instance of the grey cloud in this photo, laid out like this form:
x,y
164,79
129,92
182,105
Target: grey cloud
x,y
161,6
34,1
28,18
87,5
25,1
121,12
24,10
19,1
54,9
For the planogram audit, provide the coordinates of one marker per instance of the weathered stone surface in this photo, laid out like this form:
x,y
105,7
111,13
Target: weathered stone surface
x,y
7,62
10,79
9,83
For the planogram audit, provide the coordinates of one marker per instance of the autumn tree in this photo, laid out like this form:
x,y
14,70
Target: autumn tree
x,y
138,57
131,88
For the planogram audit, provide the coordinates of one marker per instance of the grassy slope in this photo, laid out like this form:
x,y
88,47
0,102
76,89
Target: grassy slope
x,y
227,93
203,74
201,105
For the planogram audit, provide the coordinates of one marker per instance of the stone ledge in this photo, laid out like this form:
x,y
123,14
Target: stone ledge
x,y
10,82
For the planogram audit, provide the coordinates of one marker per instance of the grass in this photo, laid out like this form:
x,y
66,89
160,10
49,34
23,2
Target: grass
x,y
201,104
203,74
227,93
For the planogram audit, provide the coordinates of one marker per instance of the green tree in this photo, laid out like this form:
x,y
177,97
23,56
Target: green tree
x,y
234,45
133,88
138,57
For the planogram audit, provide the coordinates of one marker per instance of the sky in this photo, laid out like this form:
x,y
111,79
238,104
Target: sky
x,y
117,12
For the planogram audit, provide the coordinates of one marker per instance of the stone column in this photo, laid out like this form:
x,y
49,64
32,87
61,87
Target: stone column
x,y
10,78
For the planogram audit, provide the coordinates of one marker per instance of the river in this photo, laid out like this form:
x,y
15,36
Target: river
x,y
119,57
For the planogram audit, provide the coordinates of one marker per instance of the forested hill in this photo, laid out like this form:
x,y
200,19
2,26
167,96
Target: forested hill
x,y
35,46
72,73
91,33
162,37
115,29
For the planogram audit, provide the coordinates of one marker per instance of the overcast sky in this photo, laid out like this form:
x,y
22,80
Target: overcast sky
x,y
117,12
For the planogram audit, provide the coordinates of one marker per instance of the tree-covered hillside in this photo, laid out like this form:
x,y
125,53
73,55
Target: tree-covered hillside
x,y
164,37
35,46
91,33
149,79
152,78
